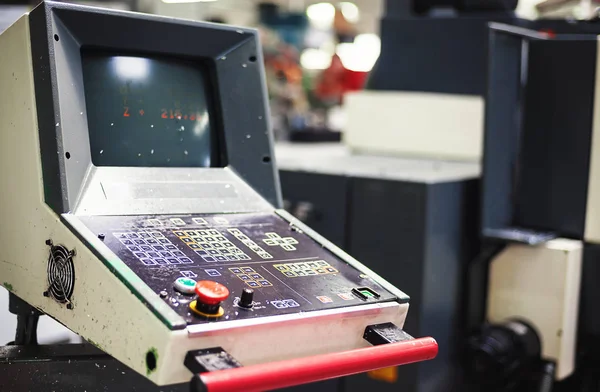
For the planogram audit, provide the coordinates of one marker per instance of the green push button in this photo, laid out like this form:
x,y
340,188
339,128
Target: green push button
x,y
185,285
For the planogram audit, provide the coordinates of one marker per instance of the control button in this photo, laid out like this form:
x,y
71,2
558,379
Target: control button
x,y
148,261
211,293
185,285
248,270
265,283
212,272
209,259
186,260
291,303
153,222
177,221
161,261
146,248
200,221
188,274
246,299
279,304
244,277
179,233
346,296
235,270
256,277
173,261
252,283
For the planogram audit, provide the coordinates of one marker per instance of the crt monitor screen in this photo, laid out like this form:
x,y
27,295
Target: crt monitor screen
x,y
147,111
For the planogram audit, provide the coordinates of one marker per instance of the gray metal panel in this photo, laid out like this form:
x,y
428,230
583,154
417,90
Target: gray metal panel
x,y
502,129
451,243
551,191
231,54
326,195
387,233
420,237
589,318
140,190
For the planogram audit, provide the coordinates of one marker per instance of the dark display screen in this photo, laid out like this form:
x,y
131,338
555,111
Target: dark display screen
x,y
145,111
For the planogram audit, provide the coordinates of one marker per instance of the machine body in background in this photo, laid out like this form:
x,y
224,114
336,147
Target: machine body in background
x,y
413,221
539,195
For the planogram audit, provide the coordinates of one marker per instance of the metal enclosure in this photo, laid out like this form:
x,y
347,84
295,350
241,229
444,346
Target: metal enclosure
x,y
414,222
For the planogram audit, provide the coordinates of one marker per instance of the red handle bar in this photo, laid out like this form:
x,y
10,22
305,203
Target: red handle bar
x,y
287,373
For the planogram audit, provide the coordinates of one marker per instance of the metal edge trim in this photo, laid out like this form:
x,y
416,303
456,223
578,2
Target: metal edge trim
x,y
225,327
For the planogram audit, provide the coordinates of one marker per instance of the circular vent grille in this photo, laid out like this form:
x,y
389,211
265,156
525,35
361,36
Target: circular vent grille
x,y
61,274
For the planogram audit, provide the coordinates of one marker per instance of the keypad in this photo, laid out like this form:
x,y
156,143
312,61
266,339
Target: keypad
x,y
292,270
211,245
253,246
152,248
249,276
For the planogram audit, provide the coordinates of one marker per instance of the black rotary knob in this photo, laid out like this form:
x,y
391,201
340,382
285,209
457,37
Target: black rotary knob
x,y
246,298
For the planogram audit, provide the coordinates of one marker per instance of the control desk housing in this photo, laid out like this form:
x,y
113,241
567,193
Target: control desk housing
x,y
144,203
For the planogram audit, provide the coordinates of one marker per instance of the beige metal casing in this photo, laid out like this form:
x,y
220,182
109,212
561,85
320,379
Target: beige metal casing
x,y
105,311
592,218
428,125
540,285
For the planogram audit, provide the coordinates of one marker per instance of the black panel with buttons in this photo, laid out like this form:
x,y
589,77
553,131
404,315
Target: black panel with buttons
x,y
285,270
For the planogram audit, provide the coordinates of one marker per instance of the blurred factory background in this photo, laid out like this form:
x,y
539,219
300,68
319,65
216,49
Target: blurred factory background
x,y
339,76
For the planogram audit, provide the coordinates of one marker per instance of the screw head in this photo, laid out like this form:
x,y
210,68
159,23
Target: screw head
x,y
69,306
101,236
163,294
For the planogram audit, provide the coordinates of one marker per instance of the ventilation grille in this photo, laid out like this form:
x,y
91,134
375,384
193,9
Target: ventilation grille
x,y
61,274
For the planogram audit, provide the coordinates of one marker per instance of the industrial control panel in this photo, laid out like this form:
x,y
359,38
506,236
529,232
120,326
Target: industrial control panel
x,y
286,270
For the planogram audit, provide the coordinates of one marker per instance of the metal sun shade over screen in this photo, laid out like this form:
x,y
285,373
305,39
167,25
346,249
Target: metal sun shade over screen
x,y
145,111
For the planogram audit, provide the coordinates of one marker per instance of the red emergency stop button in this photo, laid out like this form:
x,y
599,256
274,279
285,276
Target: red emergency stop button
x,y
211,293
